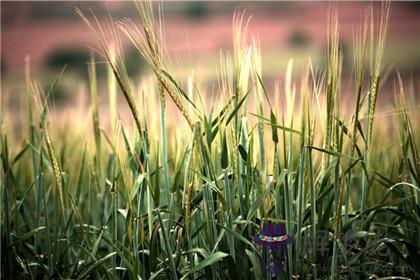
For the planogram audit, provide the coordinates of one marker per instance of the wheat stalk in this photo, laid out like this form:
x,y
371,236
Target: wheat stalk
x,y
148,44
114,57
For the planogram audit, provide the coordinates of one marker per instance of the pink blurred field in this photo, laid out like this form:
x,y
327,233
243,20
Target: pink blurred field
x,y
200,38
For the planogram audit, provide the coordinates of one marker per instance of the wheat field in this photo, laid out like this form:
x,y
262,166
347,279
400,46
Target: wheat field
x,y
177,184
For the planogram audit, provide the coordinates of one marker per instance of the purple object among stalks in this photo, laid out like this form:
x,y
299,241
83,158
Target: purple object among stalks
x,y
272,244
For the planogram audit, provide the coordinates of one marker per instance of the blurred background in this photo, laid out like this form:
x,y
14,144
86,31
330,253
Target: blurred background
x,y
52,35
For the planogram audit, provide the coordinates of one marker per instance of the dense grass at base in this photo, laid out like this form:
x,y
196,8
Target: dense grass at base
x,y
181,195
